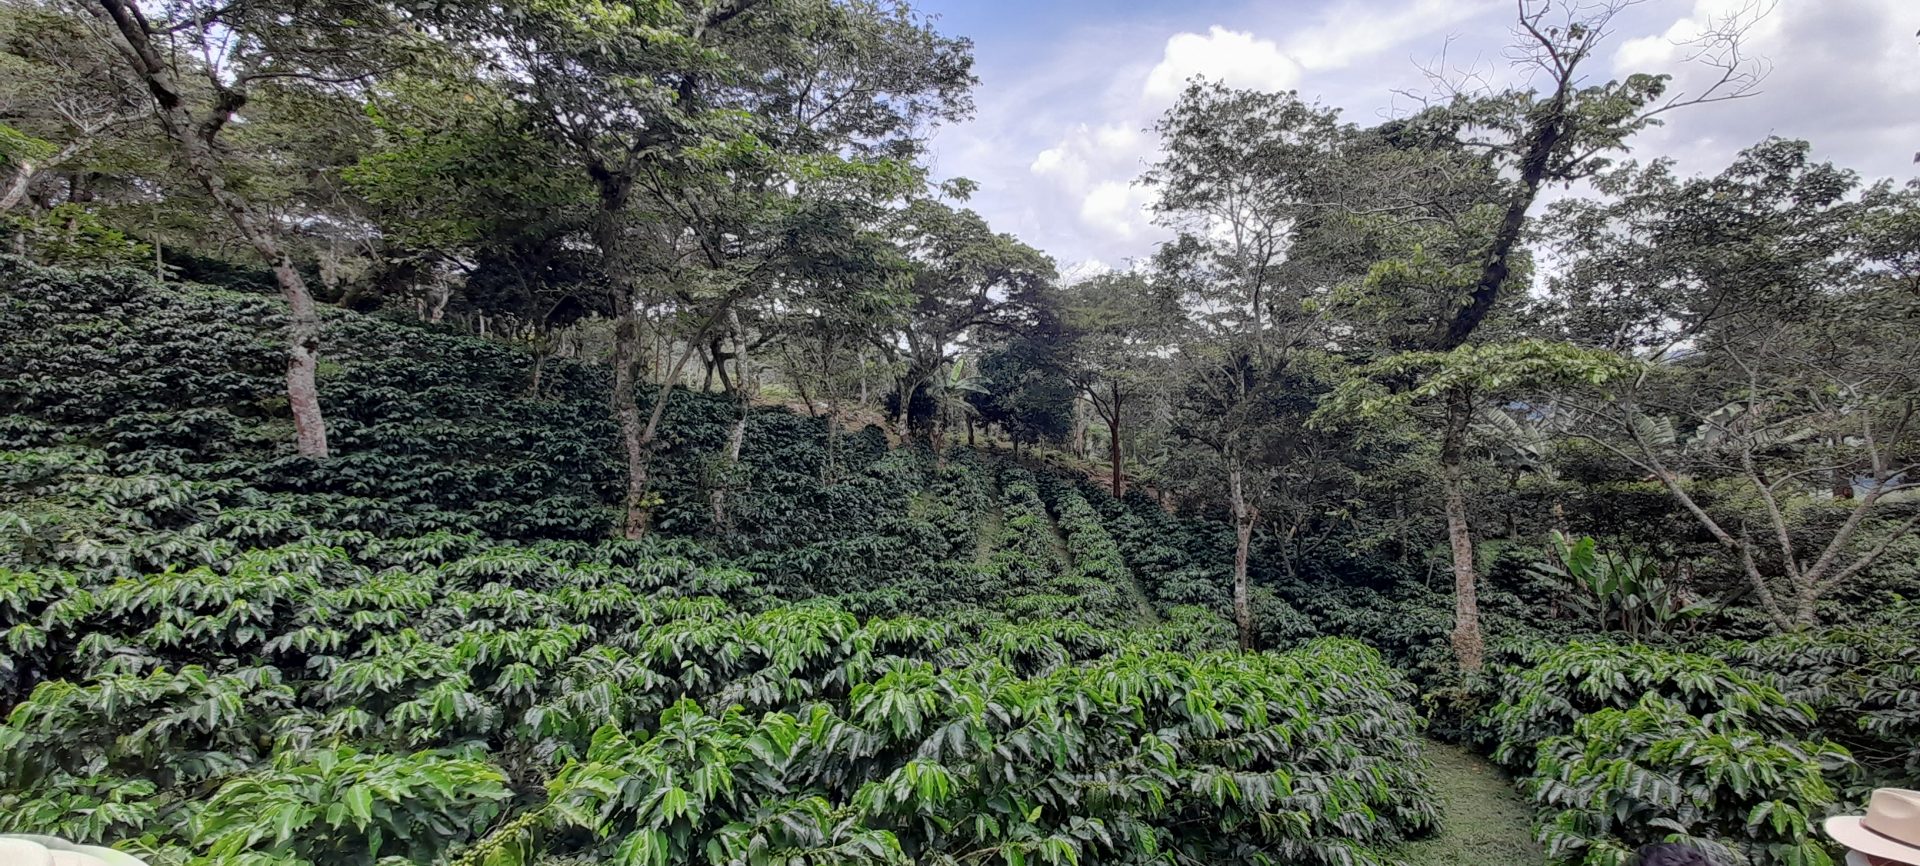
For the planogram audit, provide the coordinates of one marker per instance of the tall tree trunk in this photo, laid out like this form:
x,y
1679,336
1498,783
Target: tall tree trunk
x,y
442,293
194,144
736,439
303,362
1078,437
1113,446
830,467
1805,610
549,348
1544,132
626,409
1244,515
1469,647
639,438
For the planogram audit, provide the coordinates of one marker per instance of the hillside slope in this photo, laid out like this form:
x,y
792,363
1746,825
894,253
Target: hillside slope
x,y
427,649
437,432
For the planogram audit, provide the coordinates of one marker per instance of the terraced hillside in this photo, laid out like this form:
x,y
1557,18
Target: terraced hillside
x,y
426,647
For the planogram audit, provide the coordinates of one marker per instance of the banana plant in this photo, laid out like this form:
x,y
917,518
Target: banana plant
x,y
1627,591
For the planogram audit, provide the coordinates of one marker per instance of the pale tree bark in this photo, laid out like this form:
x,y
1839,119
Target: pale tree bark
x,y
193,142
25,172
17,190
829,468
1079,434
1469,646
442,294
1244,517
626,409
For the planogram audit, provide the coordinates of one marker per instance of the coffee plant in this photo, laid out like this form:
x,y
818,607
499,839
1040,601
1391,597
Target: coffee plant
x,y
1863,683
1548,689
1623,745
1659,772
202,675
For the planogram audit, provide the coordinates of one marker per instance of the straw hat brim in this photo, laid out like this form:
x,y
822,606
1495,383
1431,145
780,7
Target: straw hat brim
x,y
1848,831
93,853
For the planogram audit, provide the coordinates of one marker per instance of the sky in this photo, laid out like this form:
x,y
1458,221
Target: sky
x,y
1069,88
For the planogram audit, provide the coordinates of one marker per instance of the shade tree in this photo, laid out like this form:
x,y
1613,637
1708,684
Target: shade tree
x,y
1776,407
1123,326
200,63
962,277
692,124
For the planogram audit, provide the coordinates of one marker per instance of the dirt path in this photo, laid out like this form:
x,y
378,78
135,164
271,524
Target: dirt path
x,y
1484,819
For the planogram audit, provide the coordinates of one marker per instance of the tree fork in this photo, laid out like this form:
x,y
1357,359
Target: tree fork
x,y
195,147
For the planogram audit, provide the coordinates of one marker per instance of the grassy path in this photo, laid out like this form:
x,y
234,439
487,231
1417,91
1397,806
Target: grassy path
x,y
1062,559
1485,821
987,534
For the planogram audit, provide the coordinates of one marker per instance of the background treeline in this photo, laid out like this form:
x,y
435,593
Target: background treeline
x,y
1626,485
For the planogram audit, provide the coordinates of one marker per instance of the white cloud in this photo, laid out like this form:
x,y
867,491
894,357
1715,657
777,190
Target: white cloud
x,y
1843,74
1094,163
1061,137
1353,30
1095,166
1060,161
1061,134
1071,161
1114,137
1117,207
1237,58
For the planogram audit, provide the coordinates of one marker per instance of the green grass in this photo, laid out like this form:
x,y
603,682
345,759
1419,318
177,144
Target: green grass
x,y
1486,821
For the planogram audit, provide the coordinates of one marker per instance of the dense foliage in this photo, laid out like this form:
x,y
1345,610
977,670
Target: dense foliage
x,y
347,697
532,432
1626,744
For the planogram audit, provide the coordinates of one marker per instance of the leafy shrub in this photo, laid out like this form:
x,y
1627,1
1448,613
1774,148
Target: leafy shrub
x,y
1548,689
1096,558
349,696
347,806
1163,757
1658,772
1863,683
1627,591
1178,560
1024,559
1622,745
